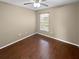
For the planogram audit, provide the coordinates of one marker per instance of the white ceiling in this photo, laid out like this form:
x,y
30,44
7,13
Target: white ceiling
x,y
51,3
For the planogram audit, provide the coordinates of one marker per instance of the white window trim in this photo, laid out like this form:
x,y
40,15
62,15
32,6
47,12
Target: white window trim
x,y
48,22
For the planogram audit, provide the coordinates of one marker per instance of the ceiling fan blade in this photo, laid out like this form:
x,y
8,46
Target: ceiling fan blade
x,y
44,4
28,3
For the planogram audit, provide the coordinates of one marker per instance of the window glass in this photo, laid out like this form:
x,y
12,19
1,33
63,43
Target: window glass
x,y
44,22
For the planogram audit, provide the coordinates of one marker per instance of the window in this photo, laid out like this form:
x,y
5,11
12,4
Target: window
x,y
44,22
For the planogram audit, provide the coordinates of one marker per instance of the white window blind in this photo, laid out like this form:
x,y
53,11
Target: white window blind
x,y
44,22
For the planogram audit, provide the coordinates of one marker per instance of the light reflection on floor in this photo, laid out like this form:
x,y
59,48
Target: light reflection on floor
x,y
44,49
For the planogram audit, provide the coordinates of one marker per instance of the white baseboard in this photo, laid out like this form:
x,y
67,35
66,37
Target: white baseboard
x,y
60,40
16,41
40,34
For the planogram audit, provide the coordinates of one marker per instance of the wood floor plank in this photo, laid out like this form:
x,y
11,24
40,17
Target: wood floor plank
x,y
40,47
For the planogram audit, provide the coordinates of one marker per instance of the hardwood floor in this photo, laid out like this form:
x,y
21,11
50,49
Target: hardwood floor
x,y
40,47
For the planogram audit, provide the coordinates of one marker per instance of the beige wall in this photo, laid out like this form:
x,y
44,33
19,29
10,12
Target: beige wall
x,y
63,22
15,21
78,21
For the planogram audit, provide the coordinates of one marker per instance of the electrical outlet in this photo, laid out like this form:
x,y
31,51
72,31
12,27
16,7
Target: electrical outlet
x,y
22,34
19,34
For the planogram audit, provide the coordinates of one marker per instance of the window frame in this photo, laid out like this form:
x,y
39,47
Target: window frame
x,y
48,22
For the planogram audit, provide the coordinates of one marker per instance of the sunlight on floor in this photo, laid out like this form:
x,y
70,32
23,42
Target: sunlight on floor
x,y
44,49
